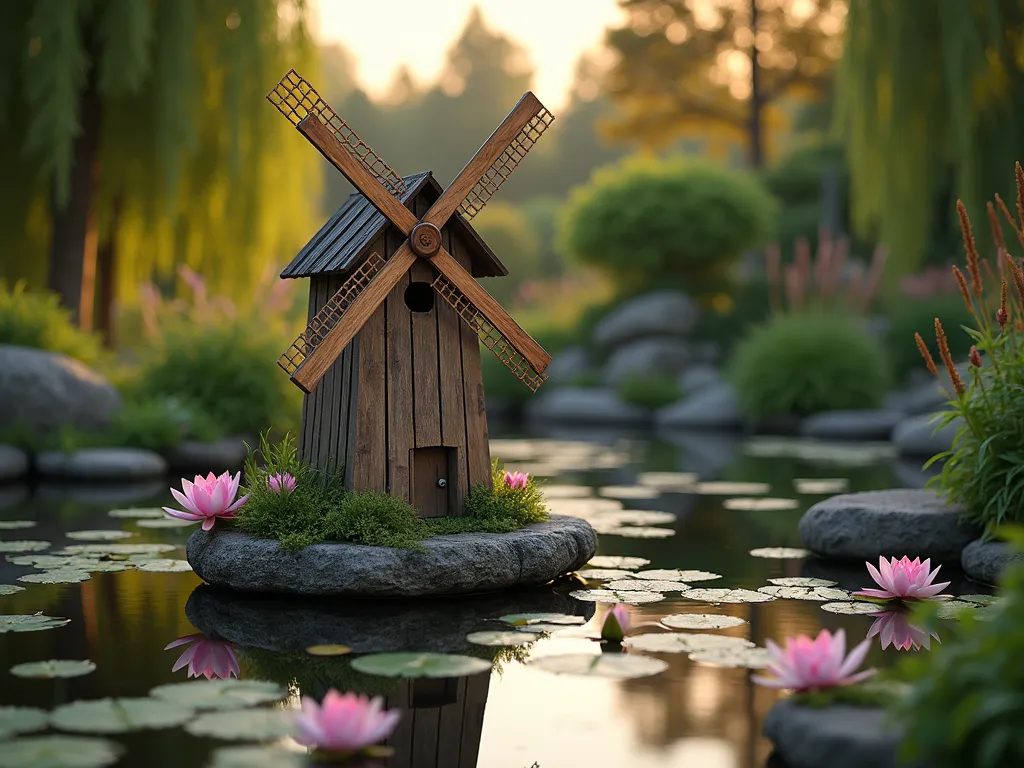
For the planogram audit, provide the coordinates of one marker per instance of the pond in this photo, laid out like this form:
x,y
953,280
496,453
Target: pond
x,y
638,492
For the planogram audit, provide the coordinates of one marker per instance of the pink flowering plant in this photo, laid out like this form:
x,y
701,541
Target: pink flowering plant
x,y
905,580
206,657
207,499
616,624
806,665
343,726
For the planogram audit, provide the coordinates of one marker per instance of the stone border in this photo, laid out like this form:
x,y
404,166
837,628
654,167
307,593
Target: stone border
x,y
985,561
464,563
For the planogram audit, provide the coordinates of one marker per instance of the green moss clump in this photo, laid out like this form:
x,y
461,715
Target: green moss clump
x,y
321,509
649,391
878,692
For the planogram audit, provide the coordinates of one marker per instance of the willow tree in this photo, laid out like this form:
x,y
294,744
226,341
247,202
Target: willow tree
x,y
139,131
931,106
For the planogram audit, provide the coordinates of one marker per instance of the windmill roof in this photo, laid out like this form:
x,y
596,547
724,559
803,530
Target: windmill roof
x,y
345,239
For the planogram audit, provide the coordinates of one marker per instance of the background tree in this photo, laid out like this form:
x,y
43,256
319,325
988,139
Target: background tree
x,y
718,64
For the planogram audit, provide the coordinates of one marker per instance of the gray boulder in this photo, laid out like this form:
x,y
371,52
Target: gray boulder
x,y
894,523
579,405
44,391
227,455
660,356
13,463
121,464
660,313
698,377
920,436
985,561
850,425
713,408
568,365
456,564
910,473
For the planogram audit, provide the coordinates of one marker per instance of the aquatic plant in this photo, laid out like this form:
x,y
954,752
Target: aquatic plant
x,y
207,499
281,482
893,627
904,579
344,725
616,624
806,664
206,657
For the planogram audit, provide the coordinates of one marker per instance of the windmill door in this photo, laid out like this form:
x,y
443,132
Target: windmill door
x,y
434,480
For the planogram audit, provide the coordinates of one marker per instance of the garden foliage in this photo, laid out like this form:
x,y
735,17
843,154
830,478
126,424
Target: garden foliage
x,y
910,315
649,391
31,319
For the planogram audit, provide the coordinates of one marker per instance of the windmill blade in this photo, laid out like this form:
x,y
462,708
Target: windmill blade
x,y
493,162
296,99
484,309
317,358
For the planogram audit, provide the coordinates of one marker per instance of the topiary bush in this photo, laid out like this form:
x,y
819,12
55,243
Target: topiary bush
x,y
672,222
802,363
37,320
909,316
649,391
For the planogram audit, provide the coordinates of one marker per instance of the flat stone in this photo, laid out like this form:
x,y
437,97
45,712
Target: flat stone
x,y
583,405
661,357
921,436
13,463
284,624
698,377
851,425
893,523
147,493
910,473
227,455
125,464
712,408
659,313
837,736
456,564
985,561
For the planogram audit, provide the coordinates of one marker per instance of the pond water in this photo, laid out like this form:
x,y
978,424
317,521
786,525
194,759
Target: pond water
x,y
691,714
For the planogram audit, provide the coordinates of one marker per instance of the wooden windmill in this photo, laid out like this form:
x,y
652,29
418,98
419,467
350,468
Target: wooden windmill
x,y
392,378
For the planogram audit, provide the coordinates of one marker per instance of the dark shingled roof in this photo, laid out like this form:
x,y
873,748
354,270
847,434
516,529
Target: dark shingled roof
x,y
347,236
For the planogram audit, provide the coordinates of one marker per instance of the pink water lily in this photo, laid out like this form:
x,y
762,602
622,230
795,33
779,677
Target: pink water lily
x,y
281,483
206,657
904,579
344,723
207,498
893,628
616,624
516,480
807,664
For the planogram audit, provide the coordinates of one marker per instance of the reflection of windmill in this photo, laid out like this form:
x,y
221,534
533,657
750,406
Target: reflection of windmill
x,y
400,400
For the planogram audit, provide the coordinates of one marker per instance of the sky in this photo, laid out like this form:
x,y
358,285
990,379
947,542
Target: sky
x,y
385,34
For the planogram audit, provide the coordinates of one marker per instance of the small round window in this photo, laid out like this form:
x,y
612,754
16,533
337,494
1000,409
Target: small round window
x,y
419,297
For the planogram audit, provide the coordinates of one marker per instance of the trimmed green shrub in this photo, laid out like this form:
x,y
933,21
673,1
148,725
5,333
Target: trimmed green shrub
x,y
910,316
671,222
649,391
806,362
30,319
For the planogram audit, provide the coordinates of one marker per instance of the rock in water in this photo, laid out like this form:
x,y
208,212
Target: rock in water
x,y
659,313
851,425
894,523
579,405
712,408
648,358
121,464
13,463
984,561
44,391
921,435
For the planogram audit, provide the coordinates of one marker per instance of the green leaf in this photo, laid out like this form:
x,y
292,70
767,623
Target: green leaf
x,y
762,504
500,639
618,561
54,668
547,618
683,642
702,621
675,574
138,513
620,666
10,589
823,594
780,553
57,576
164,565
852,607
219,694
21,720
118,715
31,623
746,658
632,596
242,725
802,581
99,535
11,525
717,596
419,665
256,757
59,752
23,546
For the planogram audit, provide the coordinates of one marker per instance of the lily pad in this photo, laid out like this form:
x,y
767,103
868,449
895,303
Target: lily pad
x,y
727,488
59,752
328,650
702,621
802,581
165,522
634,517
24,546
98,550
47,670
101,566
745,504
543,628
257,757
748,658
547,618
567,491
138,513
501,639
822,594
717,596
618,561
628,492
242,725
583,507
219,694
99,535
814,486
674,574
682,642
42,561
632,596
780,553
21,720
163,565
638,532
30,623
646,586
620,666
14,525
118,715
951,609
984,600
851,607
10,589
56,576
419,665
668,481
600,574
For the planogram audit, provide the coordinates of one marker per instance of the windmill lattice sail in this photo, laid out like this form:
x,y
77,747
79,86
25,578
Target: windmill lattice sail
x,y
489,336
329,315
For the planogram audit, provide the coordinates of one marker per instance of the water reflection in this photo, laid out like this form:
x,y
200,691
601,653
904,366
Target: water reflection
x,y
206,657
892,627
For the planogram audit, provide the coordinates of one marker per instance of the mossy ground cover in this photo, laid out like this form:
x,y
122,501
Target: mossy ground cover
x,y
321,509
